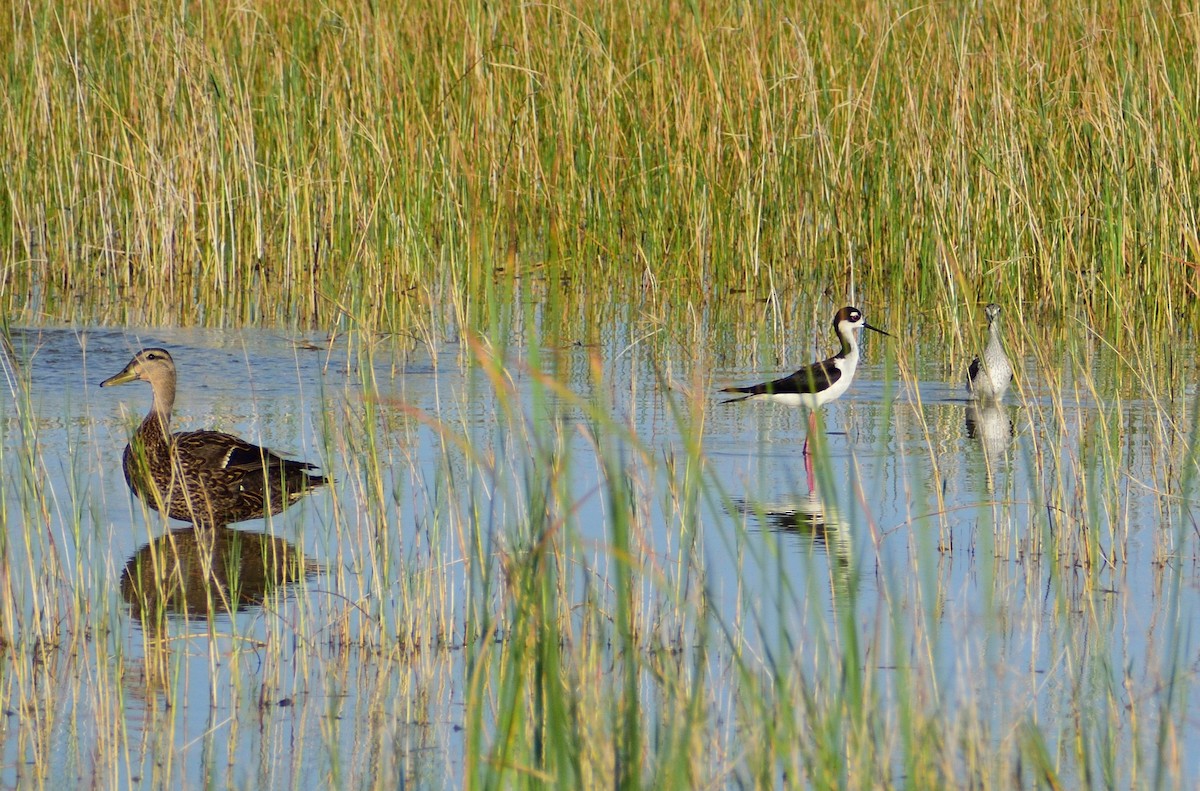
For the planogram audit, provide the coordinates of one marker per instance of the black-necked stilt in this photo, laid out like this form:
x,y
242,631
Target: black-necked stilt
x,y
819,383
988,377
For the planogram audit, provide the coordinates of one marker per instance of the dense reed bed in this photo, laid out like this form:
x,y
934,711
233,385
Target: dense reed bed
x,y
365,166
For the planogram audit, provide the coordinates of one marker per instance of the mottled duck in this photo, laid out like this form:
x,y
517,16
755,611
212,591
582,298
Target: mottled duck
x,y
208,478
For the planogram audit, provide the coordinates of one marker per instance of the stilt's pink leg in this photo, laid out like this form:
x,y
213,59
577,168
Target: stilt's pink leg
x,y
812,487
808,465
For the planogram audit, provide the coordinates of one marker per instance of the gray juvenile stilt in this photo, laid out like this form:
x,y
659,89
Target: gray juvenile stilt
x,y
989,376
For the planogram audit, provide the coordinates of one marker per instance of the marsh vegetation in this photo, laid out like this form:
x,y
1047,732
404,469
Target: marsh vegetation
x,y
491,264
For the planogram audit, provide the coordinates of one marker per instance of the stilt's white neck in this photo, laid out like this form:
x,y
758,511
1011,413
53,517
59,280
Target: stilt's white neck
x,y
849,342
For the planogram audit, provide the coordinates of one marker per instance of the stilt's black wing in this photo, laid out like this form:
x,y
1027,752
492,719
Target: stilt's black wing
x,y
810,379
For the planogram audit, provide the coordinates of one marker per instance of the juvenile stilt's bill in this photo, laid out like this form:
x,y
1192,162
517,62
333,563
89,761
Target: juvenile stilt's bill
x,y
207,478
816,384
989,376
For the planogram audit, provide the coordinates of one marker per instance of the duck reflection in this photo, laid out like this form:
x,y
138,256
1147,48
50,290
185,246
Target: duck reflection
x,y
209,571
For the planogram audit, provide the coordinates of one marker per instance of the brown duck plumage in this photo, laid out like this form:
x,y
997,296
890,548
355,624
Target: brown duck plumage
x,y
203,477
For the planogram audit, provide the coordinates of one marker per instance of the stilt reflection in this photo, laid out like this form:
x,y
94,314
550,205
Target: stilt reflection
x,y
990,424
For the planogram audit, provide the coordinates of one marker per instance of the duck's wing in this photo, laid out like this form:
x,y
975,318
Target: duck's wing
x,y
212,451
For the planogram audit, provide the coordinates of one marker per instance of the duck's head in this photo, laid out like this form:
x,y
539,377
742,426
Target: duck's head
x,y
148,365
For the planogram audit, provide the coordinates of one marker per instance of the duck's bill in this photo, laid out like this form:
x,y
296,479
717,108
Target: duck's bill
x,y
128,375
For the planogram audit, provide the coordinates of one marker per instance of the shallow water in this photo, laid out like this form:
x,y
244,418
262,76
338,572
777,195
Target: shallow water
x,y
973,543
